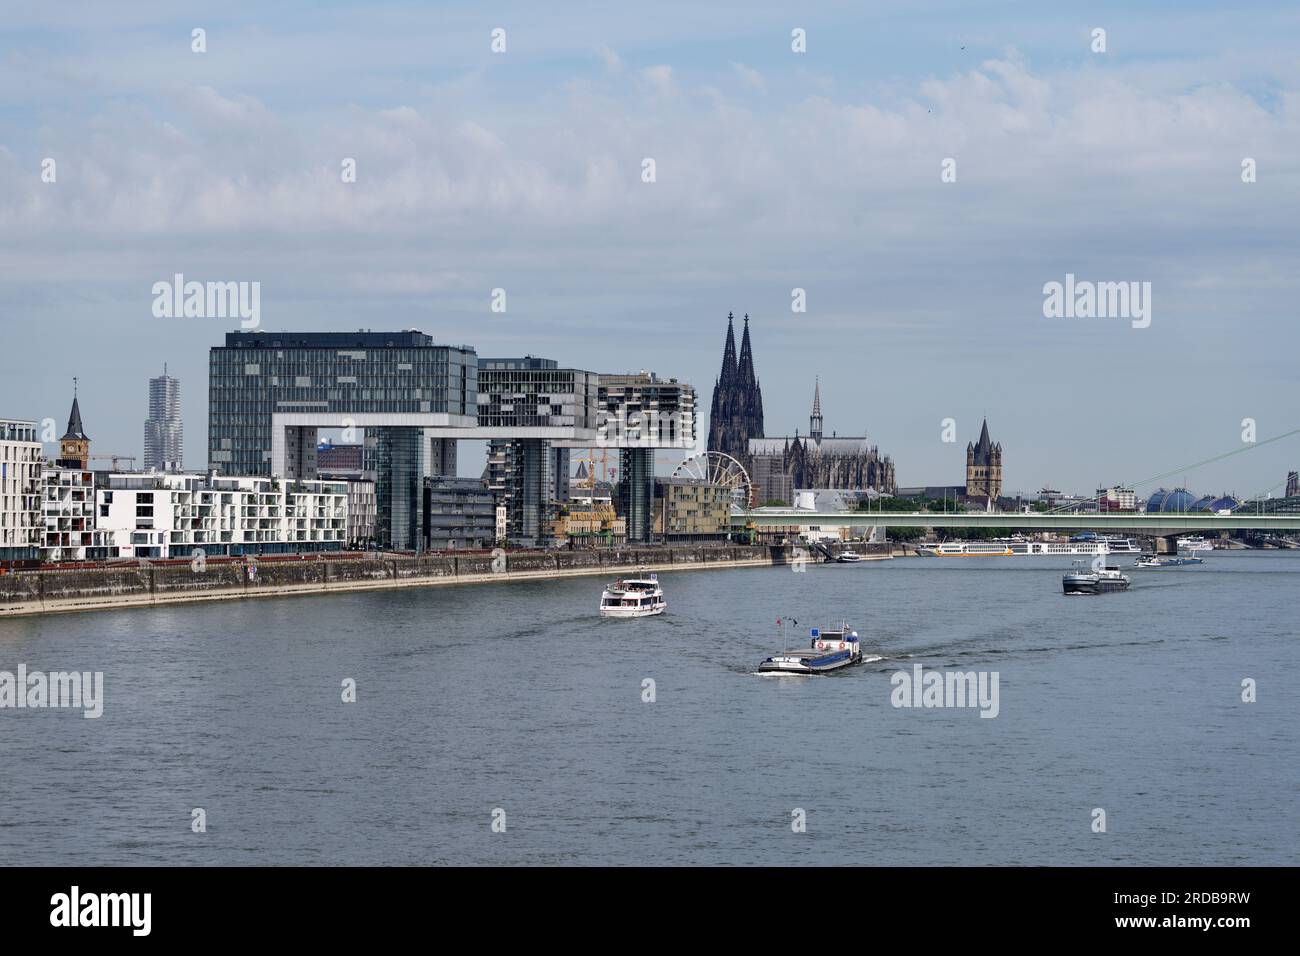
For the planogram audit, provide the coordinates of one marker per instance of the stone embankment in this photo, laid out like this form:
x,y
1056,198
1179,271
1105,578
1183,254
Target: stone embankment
x,y
85,589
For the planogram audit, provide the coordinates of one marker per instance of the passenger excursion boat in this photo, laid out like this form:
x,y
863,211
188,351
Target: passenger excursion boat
x,y
1195,543
968,549
633,597
1103,581
828,650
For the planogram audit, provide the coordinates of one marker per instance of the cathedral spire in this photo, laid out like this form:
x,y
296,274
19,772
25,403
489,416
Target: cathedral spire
x,y
815,420
746,358
729,355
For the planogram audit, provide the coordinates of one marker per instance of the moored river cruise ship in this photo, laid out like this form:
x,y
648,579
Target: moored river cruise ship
x,y
1012,547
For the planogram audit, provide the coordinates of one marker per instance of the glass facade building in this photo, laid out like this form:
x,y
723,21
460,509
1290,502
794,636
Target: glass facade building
x,y
388,384
528,475
533,392
257,374
636,491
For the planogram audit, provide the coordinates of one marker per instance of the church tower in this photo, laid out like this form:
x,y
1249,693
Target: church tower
x,y
737,412
74,446
815,419
984,467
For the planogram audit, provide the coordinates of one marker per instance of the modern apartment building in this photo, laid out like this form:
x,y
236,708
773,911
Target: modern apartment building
x,y
458,513
20,491
353,463
69,529
688,509
640,413
363,511
157,515
642,410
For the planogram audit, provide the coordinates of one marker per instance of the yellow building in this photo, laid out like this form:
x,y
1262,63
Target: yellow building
x,y
691,508
592,519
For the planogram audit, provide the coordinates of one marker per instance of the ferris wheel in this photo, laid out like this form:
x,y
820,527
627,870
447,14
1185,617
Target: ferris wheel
x,y
717,468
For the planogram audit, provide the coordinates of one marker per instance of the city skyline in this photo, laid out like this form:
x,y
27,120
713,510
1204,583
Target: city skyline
x,y
630,435
470,463
819,171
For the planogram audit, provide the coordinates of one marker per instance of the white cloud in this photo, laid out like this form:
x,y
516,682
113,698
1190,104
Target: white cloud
x,y
659,78
613,62
221,164
750,78
219,169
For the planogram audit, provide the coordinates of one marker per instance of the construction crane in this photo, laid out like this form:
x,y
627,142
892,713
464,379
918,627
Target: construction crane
x,y
115,459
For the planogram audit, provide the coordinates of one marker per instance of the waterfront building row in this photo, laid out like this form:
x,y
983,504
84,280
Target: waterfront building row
x,y
89,516
62,510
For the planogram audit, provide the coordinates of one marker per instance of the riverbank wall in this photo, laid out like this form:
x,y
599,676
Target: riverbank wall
x,y
88,589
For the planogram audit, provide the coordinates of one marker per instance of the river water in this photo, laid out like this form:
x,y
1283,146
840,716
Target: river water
x,y
514,702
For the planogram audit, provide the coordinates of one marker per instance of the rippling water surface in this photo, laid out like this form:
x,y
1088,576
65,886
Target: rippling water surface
x,y
517,696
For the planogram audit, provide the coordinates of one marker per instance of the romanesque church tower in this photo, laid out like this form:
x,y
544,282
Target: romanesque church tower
x,y
984,467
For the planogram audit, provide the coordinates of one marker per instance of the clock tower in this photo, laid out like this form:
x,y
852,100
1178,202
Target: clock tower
x,y
74,446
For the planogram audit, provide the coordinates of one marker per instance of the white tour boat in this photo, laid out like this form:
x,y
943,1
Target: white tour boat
x,y
828,650
849,556
633,597
1195,543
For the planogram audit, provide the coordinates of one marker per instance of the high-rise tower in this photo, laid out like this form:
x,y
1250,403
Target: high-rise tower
x,y
163,433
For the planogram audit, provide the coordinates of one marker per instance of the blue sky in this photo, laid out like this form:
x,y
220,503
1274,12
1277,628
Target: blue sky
x,y
775,170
